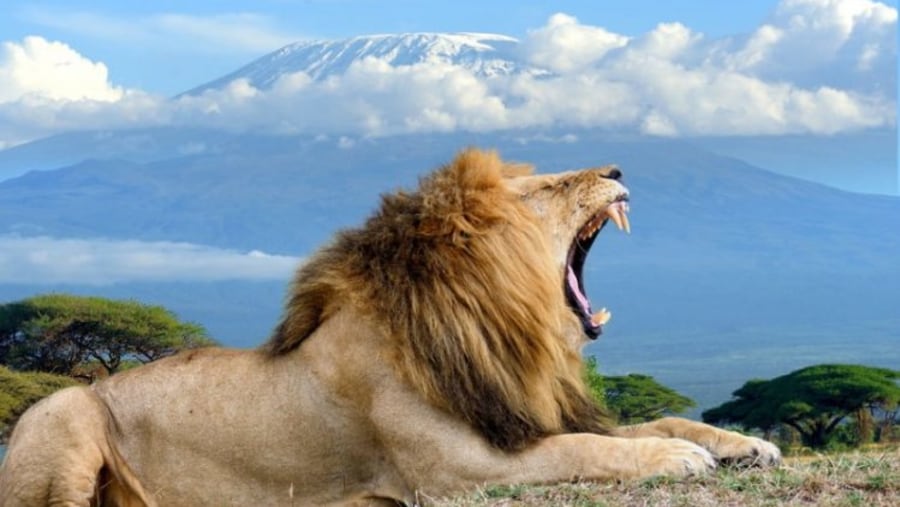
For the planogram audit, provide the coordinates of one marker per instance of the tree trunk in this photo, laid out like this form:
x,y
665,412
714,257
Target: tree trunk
x,y
865,426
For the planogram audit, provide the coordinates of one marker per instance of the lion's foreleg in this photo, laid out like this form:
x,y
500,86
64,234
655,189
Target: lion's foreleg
x,y
435,454
585,456
725,445
467,464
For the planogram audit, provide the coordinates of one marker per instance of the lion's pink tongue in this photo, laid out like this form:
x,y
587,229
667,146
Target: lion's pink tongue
x,y
573,284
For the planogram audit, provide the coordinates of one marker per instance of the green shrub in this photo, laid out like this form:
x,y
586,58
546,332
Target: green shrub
x,y
19,390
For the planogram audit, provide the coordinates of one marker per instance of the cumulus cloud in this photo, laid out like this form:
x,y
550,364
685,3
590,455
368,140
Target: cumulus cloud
x,y
47,87
846,44
45,260
565,45
815,66
38,69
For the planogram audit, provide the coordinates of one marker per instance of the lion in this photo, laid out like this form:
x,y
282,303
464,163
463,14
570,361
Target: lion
x,y
433,350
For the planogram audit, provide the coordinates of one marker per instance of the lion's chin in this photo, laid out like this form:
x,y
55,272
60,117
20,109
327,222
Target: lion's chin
x,y
592,322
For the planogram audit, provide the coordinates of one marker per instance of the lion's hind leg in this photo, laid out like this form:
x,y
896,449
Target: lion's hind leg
x,y
57,452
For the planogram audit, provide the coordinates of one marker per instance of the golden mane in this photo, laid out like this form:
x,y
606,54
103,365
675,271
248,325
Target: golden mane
x,y
461,277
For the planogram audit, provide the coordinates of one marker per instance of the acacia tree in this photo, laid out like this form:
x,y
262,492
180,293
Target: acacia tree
x,y
813,400
63,334
634,398
639,398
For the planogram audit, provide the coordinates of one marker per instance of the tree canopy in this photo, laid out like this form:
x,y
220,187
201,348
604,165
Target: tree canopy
x,y
68,335
634,398
639,398
813,400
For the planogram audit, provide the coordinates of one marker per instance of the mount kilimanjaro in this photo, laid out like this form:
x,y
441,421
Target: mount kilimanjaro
x,y
485,55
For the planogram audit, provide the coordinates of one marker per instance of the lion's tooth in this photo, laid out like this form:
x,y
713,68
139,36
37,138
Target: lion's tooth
x,y
627,225
601,317
613,212
591,228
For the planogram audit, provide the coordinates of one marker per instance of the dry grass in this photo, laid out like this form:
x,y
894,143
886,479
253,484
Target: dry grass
x,y
857,478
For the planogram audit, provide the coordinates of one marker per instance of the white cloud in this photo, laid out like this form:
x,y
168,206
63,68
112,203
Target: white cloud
x,y
668,41
44,260
565,45
816,66
372,98
37,69
32,116
849,44
47,87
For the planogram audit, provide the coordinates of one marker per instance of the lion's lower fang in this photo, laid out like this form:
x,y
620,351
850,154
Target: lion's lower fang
x,y
601,317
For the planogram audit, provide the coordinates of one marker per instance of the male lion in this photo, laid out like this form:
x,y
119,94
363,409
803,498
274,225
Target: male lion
x,y
433,350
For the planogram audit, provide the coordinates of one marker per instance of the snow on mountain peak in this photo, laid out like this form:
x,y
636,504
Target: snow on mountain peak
x,y
482,53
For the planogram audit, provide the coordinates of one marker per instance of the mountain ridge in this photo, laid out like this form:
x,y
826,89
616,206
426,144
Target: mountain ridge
x,y
484,54
300,176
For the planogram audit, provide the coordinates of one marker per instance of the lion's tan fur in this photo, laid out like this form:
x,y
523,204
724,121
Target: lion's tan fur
x,y
451,273
427,352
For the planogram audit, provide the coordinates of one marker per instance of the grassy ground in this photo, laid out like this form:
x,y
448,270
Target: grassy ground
x,y
856,478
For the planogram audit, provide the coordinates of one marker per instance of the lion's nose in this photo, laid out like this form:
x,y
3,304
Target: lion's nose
x,y
613,174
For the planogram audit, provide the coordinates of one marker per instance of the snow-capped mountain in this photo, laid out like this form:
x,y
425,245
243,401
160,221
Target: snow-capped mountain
x,y
484,54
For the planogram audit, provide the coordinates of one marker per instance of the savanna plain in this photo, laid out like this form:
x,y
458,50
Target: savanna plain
x,y
867,477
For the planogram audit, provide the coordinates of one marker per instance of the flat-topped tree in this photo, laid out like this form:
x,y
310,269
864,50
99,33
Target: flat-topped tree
x,y
634,398
813,400
71,335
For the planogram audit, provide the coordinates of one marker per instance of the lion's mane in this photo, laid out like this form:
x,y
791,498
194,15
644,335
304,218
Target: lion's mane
x,y
460,276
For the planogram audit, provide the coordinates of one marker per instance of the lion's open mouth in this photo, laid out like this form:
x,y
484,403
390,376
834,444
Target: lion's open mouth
x,y
575,294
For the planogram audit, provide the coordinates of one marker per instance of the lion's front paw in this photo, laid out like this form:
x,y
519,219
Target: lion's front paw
x,y
747,451
673,457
